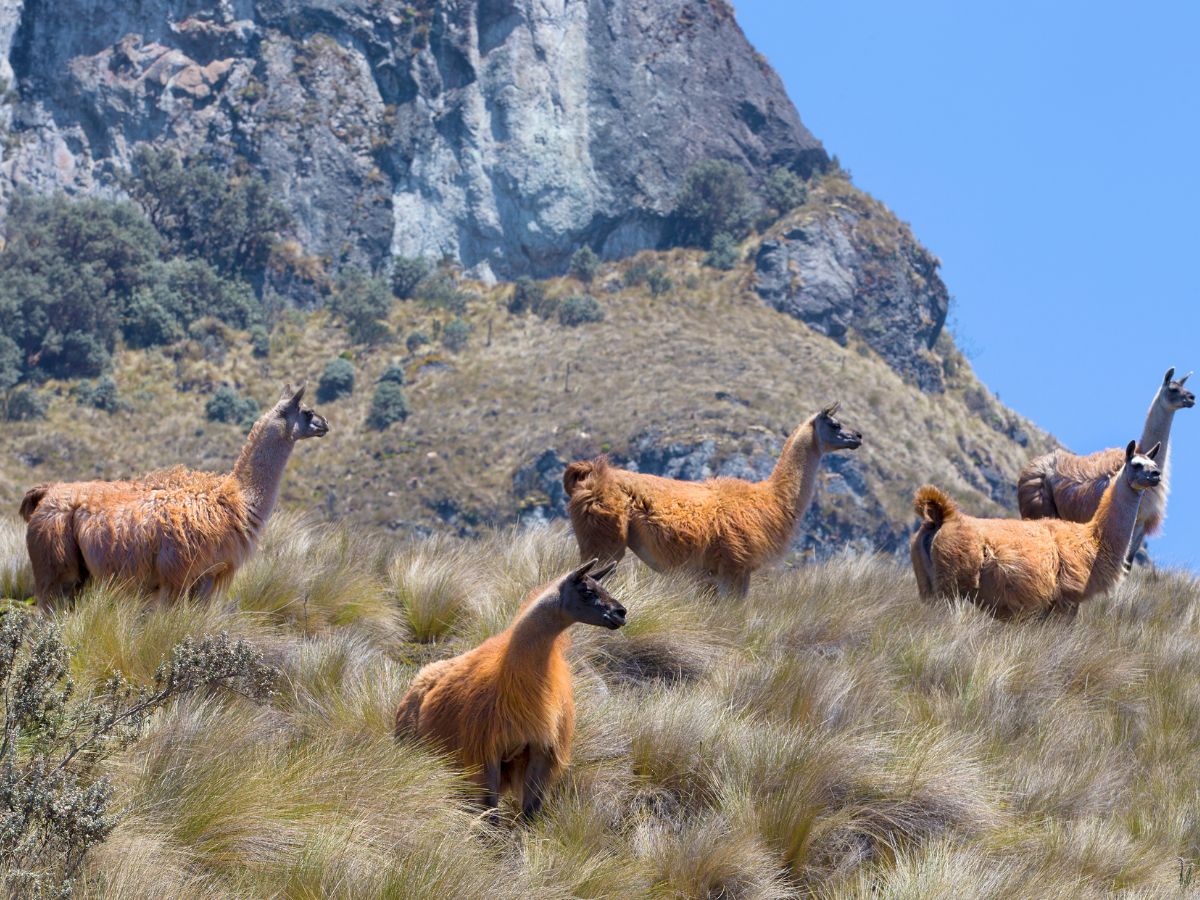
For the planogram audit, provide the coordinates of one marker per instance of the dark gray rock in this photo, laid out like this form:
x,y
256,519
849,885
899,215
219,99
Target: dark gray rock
x,y
502,132
836,273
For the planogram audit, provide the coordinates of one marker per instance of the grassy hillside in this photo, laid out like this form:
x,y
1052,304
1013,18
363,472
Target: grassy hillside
x,y
831,737
706,360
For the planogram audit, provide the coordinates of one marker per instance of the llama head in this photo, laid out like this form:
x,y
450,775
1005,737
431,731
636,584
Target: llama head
x,y
582,598
832,434
1173,394
299,421
1141,472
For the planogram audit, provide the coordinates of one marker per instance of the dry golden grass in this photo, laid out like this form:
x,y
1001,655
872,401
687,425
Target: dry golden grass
x,y
831,736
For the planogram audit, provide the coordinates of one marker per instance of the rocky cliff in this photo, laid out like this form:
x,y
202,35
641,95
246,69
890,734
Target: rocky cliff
x,y
501,132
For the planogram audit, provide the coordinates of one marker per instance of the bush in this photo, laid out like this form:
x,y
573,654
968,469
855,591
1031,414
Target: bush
x,y
54,801
10,362
527,294
724,252
337,380
362,302
784,190
637,272
440,291
394,374
714,198
544,306
66,274
658,279
584,264
101,394
579,310
416,340
260,342
389,405
226,406
24,404
407,273
456,334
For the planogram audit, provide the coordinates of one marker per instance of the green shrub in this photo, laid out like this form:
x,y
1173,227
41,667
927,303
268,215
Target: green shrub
x,y
225,405
784,190
658,279
24,403
637,272
260,342
10,362
55,799
526,295
394,373
416,340
715,198
337,380
724,252
388,405
407,273
362,303
544,306
456,334
584,264
101,394
579,310
441,291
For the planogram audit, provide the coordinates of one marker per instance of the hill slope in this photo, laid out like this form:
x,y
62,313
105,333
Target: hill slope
x,y
835,738
704,378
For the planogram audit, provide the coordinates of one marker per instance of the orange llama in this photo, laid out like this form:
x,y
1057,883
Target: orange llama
x,y
1062,485
175,532
505,709
722,528
1020,567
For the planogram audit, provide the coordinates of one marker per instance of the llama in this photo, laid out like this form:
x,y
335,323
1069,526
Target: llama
x,y
1017,567
722,529
505,710
175,532
1062,485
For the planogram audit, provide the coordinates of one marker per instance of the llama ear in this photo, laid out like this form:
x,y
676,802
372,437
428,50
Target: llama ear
x,y
601,574
832,408
299,395
1129,450
578,574
1170,374
286,393
1183,380
1153,452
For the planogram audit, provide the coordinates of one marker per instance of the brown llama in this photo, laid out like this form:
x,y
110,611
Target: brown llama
x,y
723,529
1062,485
505,710
176,532
1022,567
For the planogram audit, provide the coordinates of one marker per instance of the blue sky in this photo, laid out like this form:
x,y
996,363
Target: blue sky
x,y
1049,154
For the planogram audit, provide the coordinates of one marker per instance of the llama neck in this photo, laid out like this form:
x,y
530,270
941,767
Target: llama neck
x,y
1158,431
535,638
259,471
1112,527
794,478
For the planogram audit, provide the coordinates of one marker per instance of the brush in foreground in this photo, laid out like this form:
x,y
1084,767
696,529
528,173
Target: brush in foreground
x,y
723,529
177,532
1062,485
1018,567
505,710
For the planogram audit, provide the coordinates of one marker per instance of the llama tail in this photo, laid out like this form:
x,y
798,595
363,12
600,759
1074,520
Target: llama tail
x,y
32,498
1035,498
934,506
584,473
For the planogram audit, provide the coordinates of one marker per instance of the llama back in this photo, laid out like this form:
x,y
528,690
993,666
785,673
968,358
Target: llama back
x,y
1078,482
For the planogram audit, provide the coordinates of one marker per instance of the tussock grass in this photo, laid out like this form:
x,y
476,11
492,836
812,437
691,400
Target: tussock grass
x,y
830,736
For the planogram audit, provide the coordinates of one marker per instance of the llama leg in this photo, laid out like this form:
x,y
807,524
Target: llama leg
x,y
736,585
537,776
58,566
491,784
1135,544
